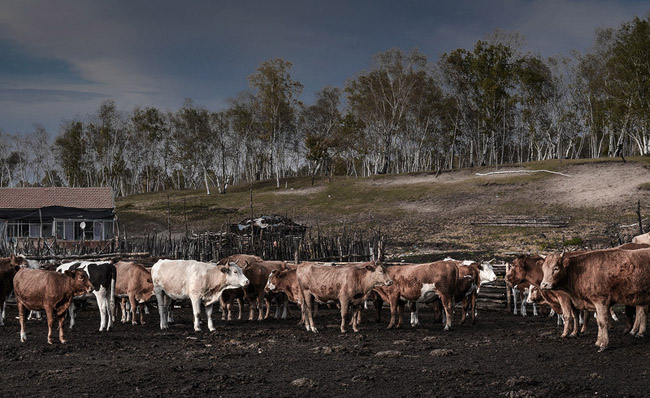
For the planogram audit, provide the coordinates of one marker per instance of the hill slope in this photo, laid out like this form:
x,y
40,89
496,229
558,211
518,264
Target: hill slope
x,y
421,213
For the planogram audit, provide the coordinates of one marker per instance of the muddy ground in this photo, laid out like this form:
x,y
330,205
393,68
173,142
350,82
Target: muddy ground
x,y
501,355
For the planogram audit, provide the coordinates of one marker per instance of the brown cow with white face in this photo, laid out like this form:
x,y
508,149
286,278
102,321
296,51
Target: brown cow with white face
x,y
51,291
601,278
134,283
8,268
420,283
348,284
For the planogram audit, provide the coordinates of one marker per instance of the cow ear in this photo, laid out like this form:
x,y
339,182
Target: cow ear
x,y
370,267
225,270
69,273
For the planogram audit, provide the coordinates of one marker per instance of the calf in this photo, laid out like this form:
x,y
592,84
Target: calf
x,y
420,283
347,284
50,291
102,275
286,282
528,269
601,278
257,271
198,281
8,267
133,283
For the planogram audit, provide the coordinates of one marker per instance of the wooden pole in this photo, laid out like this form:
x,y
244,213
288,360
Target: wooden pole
x,y
638,214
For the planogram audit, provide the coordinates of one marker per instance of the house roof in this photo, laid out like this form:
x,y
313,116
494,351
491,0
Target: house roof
x,y
36,198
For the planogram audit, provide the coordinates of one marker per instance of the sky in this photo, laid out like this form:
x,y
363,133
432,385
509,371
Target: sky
x,y
59,60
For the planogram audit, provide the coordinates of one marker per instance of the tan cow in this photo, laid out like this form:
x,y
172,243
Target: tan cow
x,y
420,283
347,284
133,283
50,291
601,278
198,281
8,268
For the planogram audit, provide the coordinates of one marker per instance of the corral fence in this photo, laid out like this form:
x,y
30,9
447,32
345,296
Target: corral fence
x,y
348,246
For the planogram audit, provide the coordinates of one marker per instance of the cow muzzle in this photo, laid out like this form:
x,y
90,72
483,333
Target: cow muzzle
x,y
545,286
389,283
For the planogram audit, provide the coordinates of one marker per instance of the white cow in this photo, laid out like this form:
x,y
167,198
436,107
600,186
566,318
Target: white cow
x,y
198,281
102,275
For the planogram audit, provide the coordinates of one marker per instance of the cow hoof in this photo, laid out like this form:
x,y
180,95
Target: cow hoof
x,y
23,337
638,335
63,341
49,342
212,329
447,328
601,349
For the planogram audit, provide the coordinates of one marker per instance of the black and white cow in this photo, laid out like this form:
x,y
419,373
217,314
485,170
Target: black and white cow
x,y
102,275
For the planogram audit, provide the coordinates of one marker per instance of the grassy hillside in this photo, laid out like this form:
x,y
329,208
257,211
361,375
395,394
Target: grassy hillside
x,y
420,213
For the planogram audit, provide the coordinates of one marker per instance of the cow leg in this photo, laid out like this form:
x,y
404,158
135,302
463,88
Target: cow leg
x,y
251,308
395,313
196,311
51,317
101,303
630,312
71,313
473,309
21,317
415,319
208,313
344,313
464,304
2,316
602,312
585,321
307,310
163,305
612,313
356,317
134,305
267,301
62,339
642,312
514,300
448,303
123,308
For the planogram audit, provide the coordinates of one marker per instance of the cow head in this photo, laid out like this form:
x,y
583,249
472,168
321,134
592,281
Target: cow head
x,y
234,275
486,273
554,269
534,295
80,281
516,271
378,274
272,281
18,260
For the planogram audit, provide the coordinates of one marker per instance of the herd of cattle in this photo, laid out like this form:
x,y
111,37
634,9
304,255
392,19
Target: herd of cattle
x,y
571,283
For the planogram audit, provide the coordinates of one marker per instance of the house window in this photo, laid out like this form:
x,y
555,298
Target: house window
x,y
34,230
93,230
17,229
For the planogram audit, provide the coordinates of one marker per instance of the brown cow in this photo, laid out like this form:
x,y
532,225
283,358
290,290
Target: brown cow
x,y
420,283
51,291
601,278
257,271
133,283
527,268
8,268
348,284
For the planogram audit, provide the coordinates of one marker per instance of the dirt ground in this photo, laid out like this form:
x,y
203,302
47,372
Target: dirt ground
x,y
501,355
